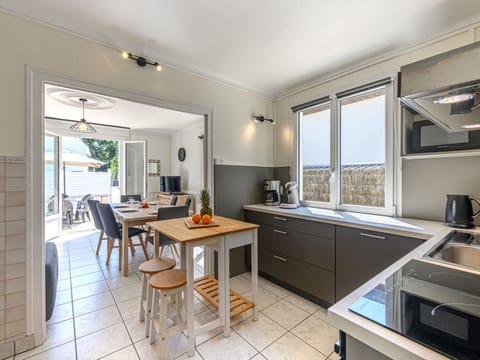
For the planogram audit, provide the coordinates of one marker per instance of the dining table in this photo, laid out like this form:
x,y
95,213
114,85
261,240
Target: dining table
x,y
131,214
227,234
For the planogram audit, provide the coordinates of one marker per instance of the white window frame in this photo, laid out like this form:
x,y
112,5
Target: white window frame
x,y
335,159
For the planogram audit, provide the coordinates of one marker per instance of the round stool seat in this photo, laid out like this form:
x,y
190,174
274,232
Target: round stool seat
x,y
156,265
169,279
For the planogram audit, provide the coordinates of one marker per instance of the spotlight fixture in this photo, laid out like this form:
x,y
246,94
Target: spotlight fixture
x,y
141,61
82,126
261,119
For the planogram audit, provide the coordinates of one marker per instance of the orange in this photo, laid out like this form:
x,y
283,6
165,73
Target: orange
x,y
206,219
196,218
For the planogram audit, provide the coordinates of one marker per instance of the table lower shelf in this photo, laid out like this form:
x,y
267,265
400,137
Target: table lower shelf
x,y
207,286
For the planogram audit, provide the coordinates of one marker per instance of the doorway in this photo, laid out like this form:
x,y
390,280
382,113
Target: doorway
x,y
36,192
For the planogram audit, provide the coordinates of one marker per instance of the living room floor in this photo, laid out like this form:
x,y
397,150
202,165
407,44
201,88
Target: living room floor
x,y
96,316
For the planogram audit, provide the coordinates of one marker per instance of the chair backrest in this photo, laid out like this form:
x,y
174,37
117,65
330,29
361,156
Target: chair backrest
x,y
172,212
174,200
125,198
110,225
188,201
92,205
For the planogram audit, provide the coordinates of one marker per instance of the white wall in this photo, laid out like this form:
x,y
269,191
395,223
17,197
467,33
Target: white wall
x,y
158,148
29,43
191,168
423,196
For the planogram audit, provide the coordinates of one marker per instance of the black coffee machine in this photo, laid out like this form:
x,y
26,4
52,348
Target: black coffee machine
x,y
459,211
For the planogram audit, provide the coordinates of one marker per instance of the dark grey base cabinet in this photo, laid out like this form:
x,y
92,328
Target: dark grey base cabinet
x,y
298,253
361,254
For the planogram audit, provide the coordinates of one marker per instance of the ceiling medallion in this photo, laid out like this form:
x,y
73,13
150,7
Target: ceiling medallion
x,y
70,97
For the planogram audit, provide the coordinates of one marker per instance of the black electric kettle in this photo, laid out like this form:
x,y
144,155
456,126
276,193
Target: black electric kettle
x,y
459,211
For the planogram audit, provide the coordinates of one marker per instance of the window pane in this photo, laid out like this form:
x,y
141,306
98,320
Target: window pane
x,y
315,153
363,148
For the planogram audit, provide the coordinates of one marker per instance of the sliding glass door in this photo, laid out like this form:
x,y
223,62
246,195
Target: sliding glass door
x,y
52,203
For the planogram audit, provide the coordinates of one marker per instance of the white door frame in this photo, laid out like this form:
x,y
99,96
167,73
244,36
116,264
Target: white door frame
x,y
35,113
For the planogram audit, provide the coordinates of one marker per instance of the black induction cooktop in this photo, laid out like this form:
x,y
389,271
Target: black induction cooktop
x,y
431,303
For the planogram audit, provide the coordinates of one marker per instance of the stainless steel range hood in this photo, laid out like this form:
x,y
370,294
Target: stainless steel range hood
x,y
445,88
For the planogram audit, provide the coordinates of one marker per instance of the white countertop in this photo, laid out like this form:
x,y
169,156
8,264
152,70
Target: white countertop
x,y
386,341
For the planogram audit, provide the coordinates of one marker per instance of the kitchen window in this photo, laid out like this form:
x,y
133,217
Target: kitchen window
x,y
345,150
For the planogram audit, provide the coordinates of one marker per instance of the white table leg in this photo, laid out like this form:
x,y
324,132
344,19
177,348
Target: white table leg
x,y
183,256
226,268
124,256
255,275
221,282
190,298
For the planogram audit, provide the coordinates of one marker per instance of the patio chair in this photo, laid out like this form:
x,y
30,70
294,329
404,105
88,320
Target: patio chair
x,y
67,211
114,232
165,213
125,198
82,208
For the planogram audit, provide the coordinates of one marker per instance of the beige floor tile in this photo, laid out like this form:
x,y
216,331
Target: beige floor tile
x,y
103,342
265,298
127,292
61,313
63,285
89,290
176,346
286,314
87,279
333,356
240,285
259,357
136,329
318,334
260,333
204,318
84,270
57,334
78,263
97,320
129,308
302,303
290,347
64,352
321,314
128,353
233,347
63,297
196,356
121,281
92,303
276,289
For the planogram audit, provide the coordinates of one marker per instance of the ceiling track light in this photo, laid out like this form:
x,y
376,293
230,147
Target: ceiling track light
x,y
141,61
261,119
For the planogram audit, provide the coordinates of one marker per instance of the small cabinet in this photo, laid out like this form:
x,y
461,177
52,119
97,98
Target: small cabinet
x,y
298,253
361,254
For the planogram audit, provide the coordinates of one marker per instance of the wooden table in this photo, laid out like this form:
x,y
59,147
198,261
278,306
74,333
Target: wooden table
x,y
228,235
130,218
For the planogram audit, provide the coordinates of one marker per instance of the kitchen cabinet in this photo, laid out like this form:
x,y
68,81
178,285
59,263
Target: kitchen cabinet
x,y
297,253
361,254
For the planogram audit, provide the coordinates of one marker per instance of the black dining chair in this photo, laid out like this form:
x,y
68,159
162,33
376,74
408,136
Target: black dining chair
x,y
165,213
188,201
114,232
174,200
126,198
92,205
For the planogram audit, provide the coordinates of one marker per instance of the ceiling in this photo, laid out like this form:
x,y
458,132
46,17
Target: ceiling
x,y
113,111
268,46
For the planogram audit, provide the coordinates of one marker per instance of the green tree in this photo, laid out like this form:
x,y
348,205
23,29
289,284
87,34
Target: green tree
x,y
106,151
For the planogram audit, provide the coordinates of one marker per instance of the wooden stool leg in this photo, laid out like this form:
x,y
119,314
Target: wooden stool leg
x,y
174,250
144,246
155,305
120,254
100,239
143,298
132,248
162,334
150,315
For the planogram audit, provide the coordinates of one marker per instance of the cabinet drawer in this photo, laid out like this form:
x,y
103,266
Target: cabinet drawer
x,y
258,217
304,226
315,250
305,277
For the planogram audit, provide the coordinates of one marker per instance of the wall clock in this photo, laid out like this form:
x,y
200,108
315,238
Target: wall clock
x,y
181,154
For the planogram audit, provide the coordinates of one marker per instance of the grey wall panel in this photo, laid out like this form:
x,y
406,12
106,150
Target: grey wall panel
x,y
427,181
236,186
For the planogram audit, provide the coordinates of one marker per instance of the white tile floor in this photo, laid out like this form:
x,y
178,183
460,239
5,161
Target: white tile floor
x,y
96,316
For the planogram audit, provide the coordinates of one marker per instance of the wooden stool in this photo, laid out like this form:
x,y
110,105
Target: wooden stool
x,y
167,284
149,268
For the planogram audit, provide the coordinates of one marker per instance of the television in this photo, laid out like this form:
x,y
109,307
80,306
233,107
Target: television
x,y
171,184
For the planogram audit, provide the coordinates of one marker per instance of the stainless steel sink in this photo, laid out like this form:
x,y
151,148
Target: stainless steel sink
x,y
467,255
459,247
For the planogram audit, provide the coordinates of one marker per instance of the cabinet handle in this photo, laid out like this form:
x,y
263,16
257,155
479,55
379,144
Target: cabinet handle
x,y
280,258
280,232
373,236
280,218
